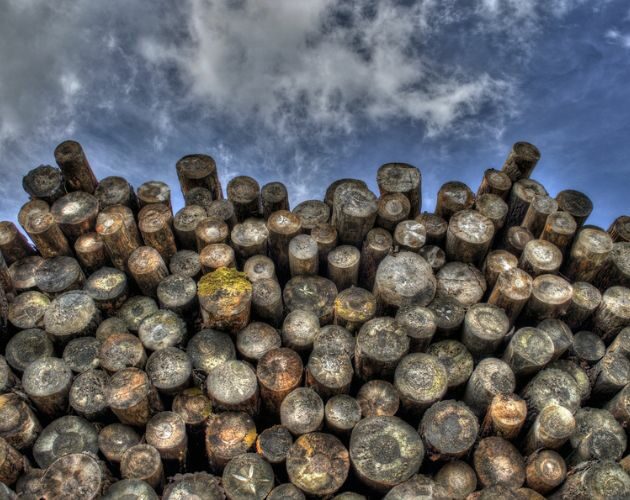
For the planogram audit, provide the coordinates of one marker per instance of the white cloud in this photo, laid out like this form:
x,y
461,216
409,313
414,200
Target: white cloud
x,y
618,38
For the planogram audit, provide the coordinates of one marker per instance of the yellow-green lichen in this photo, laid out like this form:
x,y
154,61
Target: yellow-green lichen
x,y
226,281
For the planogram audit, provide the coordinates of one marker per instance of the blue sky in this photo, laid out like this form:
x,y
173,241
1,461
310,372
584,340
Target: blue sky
x,y
309,91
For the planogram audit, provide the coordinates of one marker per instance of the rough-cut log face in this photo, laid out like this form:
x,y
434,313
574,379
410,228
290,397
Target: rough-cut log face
x,y
405,278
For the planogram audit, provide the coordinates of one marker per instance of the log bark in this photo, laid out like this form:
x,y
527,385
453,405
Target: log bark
x,y
540,257
495,182
371,360
311,293
409,235
550,298
613,314
421,380
490,377
511,292
588,254
449,430
451,198
435,228
120,241
228,435
147,268
233,386
184,224
505,416
274,197
283,226
115,191
584,302
154,192
343,266
279,372
223,210
132,398
13,243
353,307
392,209
244,193
494,208
76,170
541,207
497,461
325,236
91,253
576,203
44,183
198,170
377,245
303,257
354,213
521,160
258,474
521,196
267,301
169,370
469,237
312,213
47,383
302,411
404,179
619,230
143,462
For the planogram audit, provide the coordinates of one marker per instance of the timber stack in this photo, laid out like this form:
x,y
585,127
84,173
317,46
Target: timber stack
x,y
353,347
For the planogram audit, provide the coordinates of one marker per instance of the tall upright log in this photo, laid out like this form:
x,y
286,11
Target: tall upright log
x,y
404,179
451,198
76,170
274,197
521,160
198,170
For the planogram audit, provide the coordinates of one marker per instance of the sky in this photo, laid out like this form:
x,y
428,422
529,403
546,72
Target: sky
x,y
308,91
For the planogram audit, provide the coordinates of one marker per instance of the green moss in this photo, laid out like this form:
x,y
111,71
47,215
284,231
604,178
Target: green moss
x,y
225,280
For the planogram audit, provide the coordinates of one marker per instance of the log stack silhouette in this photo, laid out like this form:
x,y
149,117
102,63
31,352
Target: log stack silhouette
x,y
351,347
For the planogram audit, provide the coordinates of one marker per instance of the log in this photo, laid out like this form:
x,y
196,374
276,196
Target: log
x,y
115,191
208,349
27,346
154,192
404,179
541,207
28,309
609,375
89,477
215,256
619,406
299,330
185,223
353,307
169,370
421,380
392,209
521,196
143,462
597,436
458,478
133,488
279,372
584,302
211,231
329,372
23,272
371,358
325,236
485,327
354,213
550,298
378,398
452,197
199,196
88,395
198,170
329,196
449,313
559,229
248,476
13,243
511,292
620,345
335,338
273,444
222,210
559,333
44,183
449,429
75,214
91,253
115,439
456,359
121,350
420,325
259,267
147,268
409,235
76,170
505,416
615,271
19,425
342,413
162,329
120,237
286,491
575,203
385,451
132,398
267,301
588,254
194,407
155,227
283,226
311,293
249,238
225,298
435,227
343,266
274,197
545,471
619,230
178,293
256,339
109,326
69,434
81,354
495,263
303,258
463,282
495,182
521,161
497,461
515,239
469,236
302,411
58,275
30,209
612,315
318,464
540,257
529,351
603,479
108,288
551,386
578,373
376,246
587,347
244,193
402,279
166,432
312,213
232,386
11,463
490,377
47,383
434,255
494,208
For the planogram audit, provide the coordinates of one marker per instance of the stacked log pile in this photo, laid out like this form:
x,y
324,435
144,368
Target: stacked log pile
x,y
353,347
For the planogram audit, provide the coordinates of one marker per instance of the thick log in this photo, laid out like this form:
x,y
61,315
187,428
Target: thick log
x,y
312,213
279,372
449,429
515,239
81,354
115,191
71,315
115,439
597,436
91,253
147,268
311,293
540,257
23,272
69,434
600,479
249,238
47,383
559,333
587,347
551,386
469,236
75,214
44,183
198,170
208,349
456,359
177,293
244,193
497,461
385,451
495,182
343,266
421,380
199,196
392,209
299,329
490,377
404,179
154,192
463,282
132,398
247,476
18,424
143,462
521,160
169,370
559,229
335,338
353,307
458,478
232,386
341,414
267,301
372,360
76,170
215,256
155,224
615,271
13,244
377,398
377,245
303,257
162,329
88,395
495,263
166,432
420,325
329,196
255,340
119,232
409,235
541,207
302,411
354,213
511,292
58,275
578,373
89,476
274,197
619,230
434,255
329,372
435,228
485,327
121,350
108,288
545,471
588,254
211,231
613,314
529,351
449,313
494,208
273,444
505,416
109,326
451,198
521,196
259,267
576,203
27,310
222,210
609,375
185,223
584,302
550,298
27,346
31,208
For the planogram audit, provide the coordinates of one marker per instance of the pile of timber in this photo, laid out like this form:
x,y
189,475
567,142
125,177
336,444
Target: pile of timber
x,y
353,347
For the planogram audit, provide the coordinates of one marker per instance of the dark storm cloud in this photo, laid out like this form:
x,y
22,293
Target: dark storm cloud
x,y
309,91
